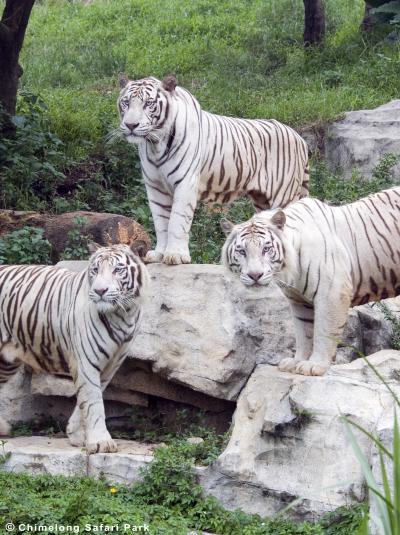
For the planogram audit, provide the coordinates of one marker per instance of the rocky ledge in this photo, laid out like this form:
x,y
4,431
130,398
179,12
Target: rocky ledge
x,y
209,342
288,443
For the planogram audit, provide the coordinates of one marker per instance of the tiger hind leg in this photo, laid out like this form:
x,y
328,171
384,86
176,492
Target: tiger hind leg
x,y
259,200
9,364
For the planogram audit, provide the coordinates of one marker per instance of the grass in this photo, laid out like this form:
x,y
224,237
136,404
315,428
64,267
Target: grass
x,y
168,499
239,58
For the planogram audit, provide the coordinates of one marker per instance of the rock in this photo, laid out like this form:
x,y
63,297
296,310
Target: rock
x,y
195,440
362,138
289,442
385,434
43,455
51,385
205,331
55,456
367,330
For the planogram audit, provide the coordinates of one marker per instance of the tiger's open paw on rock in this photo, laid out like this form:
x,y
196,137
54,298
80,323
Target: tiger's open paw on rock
x,y
288,365
102,446
308,367
176,258
153,257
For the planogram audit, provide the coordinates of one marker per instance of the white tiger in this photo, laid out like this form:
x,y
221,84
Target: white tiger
x,y
188,154
325,259
78,324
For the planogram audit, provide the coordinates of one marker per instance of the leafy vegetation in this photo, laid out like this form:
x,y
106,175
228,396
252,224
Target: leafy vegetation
x,y
169,500
334,188
77,243
25,246
386,11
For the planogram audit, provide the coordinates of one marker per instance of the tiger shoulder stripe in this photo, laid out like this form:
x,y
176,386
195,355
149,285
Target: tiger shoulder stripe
x,y
79,324
188,154
326,259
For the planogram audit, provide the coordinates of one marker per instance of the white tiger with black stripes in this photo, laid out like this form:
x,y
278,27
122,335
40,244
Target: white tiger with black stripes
x,y
78,324
188,154
325,259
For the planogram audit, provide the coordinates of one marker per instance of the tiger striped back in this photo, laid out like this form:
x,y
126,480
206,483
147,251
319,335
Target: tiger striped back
x,y
188,154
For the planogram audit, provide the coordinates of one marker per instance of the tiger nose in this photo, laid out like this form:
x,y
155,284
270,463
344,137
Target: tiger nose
x,y
255,275
131,126
100,291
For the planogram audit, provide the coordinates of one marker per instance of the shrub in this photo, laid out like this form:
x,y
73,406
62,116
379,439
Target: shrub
x,y
31,157
25,246
333,187
77,245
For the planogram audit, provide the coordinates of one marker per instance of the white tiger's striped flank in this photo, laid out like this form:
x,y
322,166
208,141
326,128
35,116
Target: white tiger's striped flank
x,y
188,154
79,324
326,259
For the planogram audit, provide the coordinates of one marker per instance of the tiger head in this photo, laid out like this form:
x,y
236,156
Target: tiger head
x,y
255,249
143,107
117,278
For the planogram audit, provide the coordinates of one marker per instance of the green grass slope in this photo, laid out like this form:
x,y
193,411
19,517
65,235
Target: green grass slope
x,y
242,58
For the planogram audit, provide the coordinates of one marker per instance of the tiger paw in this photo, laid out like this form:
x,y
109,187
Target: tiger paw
x,y
308,367
153,257
176,258
288,365
107,445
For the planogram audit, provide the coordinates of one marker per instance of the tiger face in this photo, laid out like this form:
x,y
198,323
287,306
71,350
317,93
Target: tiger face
x,y
117,278
254,249
143,107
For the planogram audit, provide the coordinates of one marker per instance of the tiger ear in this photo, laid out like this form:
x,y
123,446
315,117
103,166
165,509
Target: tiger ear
x,y
226,226
169,83
93,247
139,248
279,219
123,80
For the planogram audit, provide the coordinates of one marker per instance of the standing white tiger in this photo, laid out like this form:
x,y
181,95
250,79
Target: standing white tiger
x,y
82,324
325,259
188,154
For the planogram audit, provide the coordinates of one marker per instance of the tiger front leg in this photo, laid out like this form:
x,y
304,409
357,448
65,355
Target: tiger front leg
x,y
91,405
331,312
160,201
184,205
303,319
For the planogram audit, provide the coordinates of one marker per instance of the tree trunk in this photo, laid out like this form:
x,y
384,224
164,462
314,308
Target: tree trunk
x,y
366,25
314,22
12,32
104,229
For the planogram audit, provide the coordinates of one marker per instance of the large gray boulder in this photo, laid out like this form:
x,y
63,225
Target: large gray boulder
x,y
204,330
201,337
362,138
289,443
